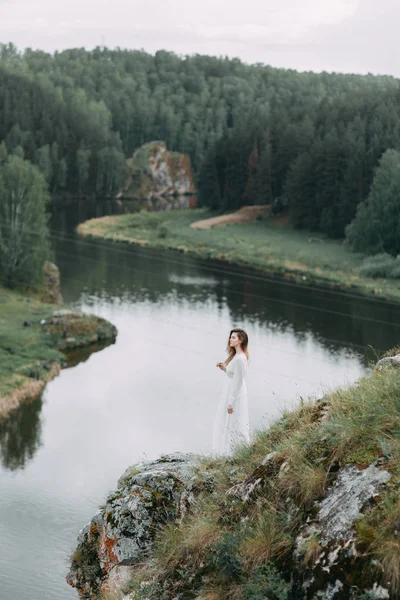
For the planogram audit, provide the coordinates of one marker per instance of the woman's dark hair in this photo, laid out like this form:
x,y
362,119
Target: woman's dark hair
x,y
244,342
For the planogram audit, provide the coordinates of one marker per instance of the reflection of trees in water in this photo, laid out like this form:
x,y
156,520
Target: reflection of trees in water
x,y
138,275
80,355
20,435
305,312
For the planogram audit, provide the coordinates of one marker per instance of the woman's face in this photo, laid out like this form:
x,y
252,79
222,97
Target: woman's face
x,y
234,340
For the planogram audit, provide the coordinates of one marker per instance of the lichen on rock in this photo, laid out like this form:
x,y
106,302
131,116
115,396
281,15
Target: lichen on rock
x,y
148,495
333,527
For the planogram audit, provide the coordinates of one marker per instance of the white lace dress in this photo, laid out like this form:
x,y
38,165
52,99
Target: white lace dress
x,y
231,429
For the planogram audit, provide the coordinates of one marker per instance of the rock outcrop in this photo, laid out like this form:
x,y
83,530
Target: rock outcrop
x,y
158,179
337,562
151,494
72,329
264,531
120,535
51,290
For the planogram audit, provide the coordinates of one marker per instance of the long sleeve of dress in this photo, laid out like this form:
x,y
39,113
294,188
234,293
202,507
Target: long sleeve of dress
x,y
236,386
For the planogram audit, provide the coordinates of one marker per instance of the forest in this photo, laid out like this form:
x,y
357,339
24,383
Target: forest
x,y
305,142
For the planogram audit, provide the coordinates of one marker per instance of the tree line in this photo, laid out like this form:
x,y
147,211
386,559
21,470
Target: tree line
x,y
305,142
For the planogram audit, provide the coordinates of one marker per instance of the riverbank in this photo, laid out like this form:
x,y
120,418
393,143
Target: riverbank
x,y
269,246
34,342
310,509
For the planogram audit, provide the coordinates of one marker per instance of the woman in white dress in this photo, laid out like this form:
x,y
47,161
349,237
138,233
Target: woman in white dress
x,y
231,425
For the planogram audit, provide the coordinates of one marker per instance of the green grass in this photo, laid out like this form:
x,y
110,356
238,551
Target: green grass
x,y
24,350
229,549
266,245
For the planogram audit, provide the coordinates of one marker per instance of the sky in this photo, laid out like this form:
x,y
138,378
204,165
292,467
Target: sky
x,y
358,36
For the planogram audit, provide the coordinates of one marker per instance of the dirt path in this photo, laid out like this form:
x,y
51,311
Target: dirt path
x,y
246,214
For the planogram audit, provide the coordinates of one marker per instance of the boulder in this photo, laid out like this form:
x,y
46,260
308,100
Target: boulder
x,y
387,362
148,495
335,557
327,560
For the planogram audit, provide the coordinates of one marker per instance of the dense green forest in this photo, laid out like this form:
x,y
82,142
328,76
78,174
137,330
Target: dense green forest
x,y
255,134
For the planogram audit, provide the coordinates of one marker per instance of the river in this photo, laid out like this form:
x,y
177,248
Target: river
x,y
154,391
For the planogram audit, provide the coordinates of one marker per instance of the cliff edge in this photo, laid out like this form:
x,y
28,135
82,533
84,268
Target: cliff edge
x,y
311,509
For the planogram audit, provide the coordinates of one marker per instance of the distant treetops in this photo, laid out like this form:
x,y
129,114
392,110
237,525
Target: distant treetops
x,y
304,142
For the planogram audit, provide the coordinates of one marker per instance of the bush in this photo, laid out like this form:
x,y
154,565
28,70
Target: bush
x,y
162,231
381,265
226,559
266,584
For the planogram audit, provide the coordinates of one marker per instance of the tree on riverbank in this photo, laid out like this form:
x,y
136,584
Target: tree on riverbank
x,y
376,227
24,235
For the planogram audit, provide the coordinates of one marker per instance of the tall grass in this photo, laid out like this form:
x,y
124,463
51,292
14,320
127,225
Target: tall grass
x,y
226,548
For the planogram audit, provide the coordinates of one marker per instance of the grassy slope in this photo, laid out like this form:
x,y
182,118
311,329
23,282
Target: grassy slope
x,y
22,348
265,245
227,549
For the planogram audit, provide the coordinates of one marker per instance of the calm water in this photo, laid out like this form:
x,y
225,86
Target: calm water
x,y
155,390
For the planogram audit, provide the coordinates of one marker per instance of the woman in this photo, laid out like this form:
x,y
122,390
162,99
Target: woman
x,y
231,425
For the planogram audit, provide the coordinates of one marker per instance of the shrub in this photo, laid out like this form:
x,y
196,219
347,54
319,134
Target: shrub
x,y
226,559
381,265
266,583
162,231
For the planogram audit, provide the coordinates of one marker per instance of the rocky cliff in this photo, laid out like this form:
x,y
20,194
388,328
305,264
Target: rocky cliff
x,y
310,510
158,178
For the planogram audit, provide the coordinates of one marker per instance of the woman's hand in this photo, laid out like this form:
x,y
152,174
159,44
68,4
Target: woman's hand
x,y
221,366
230,409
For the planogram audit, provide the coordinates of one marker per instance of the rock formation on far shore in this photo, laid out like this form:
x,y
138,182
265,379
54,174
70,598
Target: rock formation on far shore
x,y
158,179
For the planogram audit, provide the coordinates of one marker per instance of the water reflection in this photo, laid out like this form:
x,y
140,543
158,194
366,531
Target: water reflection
x,y
81,355
120,273
154,391
20,431
337,321
20,435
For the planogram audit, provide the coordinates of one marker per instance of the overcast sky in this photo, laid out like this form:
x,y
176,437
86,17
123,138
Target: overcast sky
x,y
334,35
